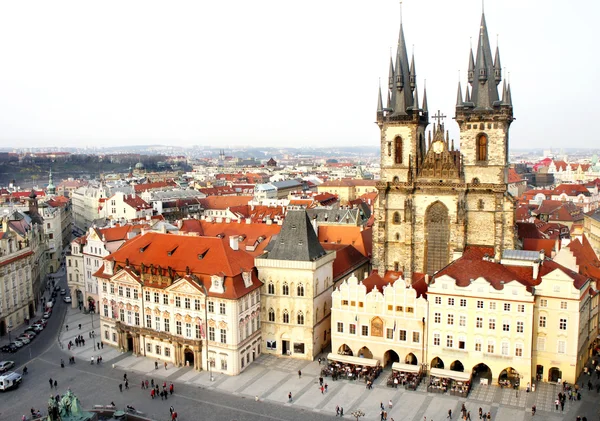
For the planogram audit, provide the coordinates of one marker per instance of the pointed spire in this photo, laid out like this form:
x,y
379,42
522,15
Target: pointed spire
x,y
484,94
467,95
425,106
416,100
389,101
379,101
504,92
508,95
401,96
497,67
471,72
391,74
459,100
413,74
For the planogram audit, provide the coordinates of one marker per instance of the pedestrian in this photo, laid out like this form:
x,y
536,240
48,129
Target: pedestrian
x,y
322,390
299,374
171,410
146,382
174,416
469,416
533,409
152,383
325,387
381,405
337,410
556,403
102,345
489,417
62,363
67,326
171,389
341,411
124,376
143,385
51,383
449,414
390,404
55,384
121,387
126,384
562,406
381,414
156,365
165,365
152,393
79,326
290,397
320,381
320,364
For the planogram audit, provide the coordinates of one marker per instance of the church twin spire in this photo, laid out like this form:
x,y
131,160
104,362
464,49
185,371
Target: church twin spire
x,y
403,97
484,75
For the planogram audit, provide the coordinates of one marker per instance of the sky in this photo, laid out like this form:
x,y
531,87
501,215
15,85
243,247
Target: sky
x,y
277,72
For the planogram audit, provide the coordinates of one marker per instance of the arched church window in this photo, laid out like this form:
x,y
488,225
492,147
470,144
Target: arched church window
x,y
437,237
482,148
285,289
286,316
271,288
398,150
397,236
396,217
300,318
300,290
389,148
271,315
480,204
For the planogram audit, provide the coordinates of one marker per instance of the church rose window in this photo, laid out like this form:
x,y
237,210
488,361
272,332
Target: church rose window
x,y
437,237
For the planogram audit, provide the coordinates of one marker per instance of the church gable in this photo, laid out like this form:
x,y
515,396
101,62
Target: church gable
x,y
442,162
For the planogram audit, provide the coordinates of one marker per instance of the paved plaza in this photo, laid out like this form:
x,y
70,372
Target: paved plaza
x,y
270,379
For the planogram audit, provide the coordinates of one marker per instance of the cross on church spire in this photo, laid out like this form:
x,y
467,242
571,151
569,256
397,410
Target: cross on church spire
x,y
439,117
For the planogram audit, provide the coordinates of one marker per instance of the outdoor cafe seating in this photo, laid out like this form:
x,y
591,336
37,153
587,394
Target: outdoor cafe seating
x,y
457,382
351,368
406,375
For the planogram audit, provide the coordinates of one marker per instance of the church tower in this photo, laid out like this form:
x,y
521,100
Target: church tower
x,y
402,126
434,199
484,119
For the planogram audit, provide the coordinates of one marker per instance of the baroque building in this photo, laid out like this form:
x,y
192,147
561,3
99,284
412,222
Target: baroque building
x,y
434,200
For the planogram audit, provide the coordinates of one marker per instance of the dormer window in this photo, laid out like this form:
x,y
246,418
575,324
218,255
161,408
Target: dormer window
x,y
247,276
216,284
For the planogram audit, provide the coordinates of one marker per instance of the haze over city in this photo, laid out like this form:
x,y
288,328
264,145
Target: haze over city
x,y
277,73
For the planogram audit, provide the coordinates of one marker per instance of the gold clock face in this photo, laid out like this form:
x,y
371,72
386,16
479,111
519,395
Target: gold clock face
x,y
438,147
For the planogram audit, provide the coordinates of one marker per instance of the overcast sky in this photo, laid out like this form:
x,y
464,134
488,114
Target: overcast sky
x,y
277,72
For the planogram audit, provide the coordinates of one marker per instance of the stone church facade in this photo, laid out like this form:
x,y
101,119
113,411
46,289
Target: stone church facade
x,y
435,199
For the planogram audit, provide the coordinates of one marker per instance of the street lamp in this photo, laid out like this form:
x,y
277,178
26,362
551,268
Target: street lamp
x,y
357,414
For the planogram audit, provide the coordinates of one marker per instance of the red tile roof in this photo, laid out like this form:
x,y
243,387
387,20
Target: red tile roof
x,y
347,259
571,190
201,256
119,232
537,244
136,202
513,176
586,258
157,185
469,267
560,211
224,202
361,239
390,277
348,182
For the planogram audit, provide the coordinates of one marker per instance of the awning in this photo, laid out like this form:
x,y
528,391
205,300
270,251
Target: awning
x,y
347,359
450,374
407,368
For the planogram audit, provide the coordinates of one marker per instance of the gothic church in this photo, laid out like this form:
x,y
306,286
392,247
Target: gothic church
x,y
435,200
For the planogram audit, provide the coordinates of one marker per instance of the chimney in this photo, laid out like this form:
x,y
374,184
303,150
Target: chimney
x,y
234,242
542,254
536,269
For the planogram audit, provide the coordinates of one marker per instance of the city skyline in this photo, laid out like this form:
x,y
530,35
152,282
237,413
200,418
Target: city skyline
x,y
267,74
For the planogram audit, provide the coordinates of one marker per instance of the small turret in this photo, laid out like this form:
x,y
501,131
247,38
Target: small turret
x,y
471,72
459,100
425,106
391,75
379,104
415,106
413,75
497,67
